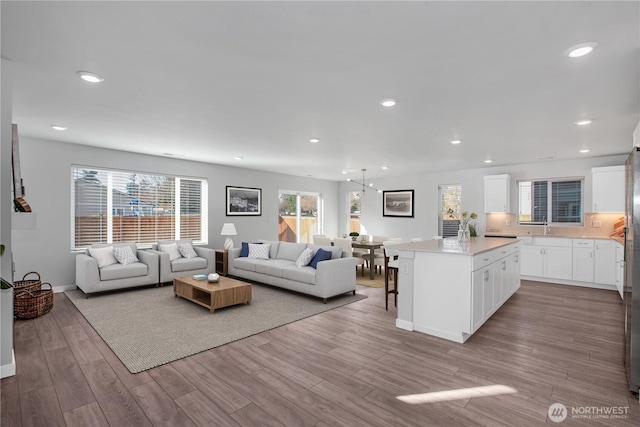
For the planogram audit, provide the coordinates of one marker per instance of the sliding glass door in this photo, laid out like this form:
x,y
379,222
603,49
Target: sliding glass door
x,y
299,216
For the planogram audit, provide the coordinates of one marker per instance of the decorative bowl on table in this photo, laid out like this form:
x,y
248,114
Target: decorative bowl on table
x,y
213,278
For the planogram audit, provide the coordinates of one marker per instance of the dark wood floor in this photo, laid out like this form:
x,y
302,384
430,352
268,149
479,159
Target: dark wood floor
x,y
550,343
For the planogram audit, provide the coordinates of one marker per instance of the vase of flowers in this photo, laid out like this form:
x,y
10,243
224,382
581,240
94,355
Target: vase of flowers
x,y
354,235
464,221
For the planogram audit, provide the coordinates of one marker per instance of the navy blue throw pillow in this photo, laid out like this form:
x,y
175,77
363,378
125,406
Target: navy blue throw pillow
x,y
321,255
244,252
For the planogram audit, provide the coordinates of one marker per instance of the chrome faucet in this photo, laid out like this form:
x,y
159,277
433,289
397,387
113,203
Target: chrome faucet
x,y
544,225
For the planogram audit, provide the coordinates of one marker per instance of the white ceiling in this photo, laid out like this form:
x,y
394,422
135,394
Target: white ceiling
x,y
214,80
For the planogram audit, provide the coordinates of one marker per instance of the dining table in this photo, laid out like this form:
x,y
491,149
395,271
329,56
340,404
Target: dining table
x,y
372,246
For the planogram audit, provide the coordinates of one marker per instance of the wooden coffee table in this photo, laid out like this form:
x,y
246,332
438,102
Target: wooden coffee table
x,y
224,293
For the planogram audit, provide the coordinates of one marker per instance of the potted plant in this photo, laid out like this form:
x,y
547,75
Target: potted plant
x,y
466,227
354,235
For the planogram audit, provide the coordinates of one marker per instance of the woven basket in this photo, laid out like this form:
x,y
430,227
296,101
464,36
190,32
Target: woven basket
x,y
27,284
33,303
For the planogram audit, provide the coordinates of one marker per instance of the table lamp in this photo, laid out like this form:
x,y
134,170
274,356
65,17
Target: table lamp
x,y
228,229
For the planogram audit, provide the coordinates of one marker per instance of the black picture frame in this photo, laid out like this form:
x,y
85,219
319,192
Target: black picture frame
x,y
243,201
398,203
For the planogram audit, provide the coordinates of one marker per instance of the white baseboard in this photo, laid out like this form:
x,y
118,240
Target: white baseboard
x,y
404,324
10,369
569,282
58,289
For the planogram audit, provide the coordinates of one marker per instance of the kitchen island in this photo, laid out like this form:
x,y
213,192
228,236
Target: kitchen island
x,y
449,289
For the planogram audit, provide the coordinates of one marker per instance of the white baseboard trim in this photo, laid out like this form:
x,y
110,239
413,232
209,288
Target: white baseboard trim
x,y
58,289
404,324
10,369
569,283
459,337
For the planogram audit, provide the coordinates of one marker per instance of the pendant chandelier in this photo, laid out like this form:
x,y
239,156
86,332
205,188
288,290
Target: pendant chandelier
x,y
364,186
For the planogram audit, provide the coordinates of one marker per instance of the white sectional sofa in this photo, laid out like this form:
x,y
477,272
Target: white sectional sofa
x,y
330,278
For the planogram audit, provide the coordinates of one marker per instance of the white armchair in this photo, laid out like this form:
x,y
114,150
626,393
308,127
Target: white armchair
x,y
180,258
108,267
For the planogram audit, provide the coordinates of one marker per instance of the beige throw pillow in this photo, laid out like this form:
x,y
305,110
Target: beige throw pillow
x,y
172,250
104,256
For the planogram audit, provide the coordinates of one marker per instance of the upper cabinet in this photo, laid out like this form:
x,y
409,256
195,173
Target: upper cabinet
x,y
497,193
607,189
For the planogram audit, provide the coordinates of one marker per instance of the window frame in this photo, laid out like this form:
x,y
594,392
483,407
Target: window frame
x,y
550,202
446,226
176,201
299,214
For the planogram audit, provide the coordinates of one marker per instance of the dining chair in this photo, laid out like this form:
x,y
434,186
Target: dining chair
x,y
322,240
345,245
378,253
361,252
392,265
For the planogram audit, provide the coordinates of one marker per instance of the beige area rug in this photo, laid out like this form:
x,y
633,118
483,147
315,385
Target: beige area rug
x,y
150,327
377,282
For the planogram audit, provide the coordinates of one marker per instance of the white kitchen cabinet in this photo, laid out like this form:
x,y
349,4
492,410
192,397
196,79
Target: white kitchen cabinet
x,y
605,262
558,262
497,193
532,261
513,268
583,260
450,290
596,263
482,285
492,284
548,258
607,185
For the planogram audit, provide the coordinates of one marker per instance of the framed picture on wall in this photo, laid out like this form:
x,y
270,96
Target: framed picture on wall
x,y
397,203
244,201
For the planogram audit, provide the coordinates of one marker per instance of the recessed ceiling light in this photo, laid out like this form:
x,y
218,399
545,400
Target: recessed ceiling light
x,y
384,168
583,122
388,102
314,140
238,157
59,127
344,172
90,77
455,141
488,161
581,49
586,150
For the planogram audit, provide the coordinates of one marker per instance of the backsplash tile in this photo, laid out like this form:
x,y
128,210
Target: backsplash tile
x,y
496,224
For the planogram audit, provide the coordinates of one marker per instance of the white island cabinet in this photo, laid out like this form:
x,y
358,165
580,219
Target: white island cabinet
x,y
449,290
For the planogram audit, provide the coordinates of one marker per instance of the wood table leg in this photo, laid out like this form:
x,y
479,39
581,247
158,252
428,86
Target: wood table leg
x,y
371,264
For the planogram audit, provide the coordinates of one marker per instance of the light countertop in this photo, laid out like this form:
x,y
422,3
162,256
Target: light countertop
x,y
475,246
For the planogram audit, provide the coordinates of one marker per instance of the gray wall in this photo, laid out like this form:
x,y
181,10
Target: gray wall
x,y
45,244
6,296
425,186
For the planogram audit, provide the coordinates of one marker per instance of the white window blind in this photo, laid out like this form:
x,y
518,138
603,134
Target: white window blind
x,y
110,206
554,201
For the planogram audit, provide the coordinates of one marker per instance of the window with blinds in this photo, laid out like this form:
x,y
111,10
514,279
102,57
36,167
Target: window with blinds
x,y
111,206
554,201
